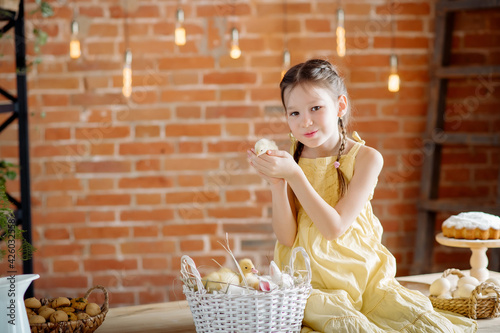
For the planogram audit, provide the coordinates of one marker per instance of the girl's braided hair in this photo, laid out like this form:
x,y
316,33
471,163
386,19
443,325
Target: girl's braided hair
x,y
319,73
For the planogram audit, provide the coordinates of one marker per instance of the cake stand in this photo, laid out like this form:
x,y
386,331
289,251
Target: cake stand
x,y
478,259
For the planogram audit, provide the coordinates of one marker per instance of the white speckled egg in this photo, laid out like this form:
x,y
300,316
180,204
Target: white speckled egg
x,y
495,281
465,290
467,280
439,287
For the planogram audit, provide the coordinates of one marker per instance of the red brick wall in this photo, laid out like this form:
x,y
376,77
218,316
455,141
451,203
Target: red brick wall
x,y
122,189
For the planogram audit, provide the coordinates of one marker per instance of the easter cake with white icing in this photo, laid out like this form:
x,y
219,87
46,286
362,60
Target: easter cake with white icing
x,y
472,225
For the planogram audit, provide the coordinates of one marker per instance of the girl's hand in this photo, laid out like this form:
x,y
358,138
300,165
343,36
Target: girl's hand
x,y
273,165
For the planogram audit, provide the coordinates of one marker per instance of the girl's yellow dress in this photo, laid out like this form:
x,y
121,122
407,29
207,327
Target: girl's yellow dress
x,y
353,276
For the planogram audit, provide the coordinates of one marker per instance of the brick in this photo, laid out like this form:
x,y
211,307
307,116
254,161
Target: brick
x,y
94,265
182,63
97,216
148,199
57,134
190,147
232,94
191,164
150,148
101,183
146,182
148,247
192,130
72,281
144,114
101,232
147,131
188,112
60,250
187,95
147,165
102,249
64,217
194,197
190,180
146,231
59,201
230,78
154,263
235,212
55,100
65,266
147,215
240,129
104,199
189,229
237,111
190,245
56,233
98,29
103,167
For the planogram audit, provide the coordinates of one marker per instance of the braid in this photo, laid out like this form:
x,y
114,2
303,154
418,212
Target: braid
x,y
341,176
298,151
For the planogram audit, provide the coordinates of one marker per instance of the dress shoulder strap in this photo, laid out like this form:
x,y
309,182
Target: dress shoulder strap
x,y
359,142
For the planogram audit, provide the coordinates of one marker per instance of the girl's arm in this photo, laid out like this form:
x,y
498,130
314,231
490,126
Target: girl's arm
x,y
284,214
332,222
283,220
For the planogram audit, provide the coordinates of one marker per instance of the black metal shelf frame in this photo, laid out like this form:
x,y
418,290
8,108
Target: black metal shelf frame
x,y
18,106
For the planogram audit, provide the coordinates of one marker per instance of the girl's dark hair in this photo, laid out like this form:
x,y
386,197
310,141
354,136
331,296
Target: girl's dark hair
x,y
323,74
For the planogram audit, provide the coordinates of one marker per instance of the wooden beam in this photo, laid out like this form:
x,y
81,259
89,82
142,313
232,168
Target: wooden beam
x,y
464,71
449,6
448,205
470,139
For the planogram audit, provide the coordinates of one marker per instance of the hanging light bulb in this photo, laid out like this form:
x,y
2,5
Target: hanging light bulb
x,y
127,74
235,52
393,83
286,62
74,44
180,32
340,33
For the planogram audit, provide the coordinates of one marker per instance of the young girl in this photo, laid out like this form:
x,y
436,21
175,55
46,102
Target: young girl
x,y
321,201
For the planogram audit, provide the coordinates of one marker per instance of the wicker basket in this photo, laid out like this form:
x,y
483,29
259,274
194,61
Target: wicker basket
x,y
474,307
77,326
279,310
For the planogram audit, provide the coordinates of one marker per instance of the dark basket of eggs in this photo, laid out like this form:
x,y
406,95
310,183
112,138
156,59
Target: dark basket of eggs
x,y
66,315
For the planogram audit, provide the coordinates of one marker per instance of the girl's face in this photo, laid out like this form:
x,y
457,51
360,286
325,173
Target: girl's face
x,y
312,115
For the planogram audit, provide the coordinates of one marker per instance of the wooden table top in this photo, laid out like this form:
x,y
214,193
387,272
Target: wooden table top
x,y
175,317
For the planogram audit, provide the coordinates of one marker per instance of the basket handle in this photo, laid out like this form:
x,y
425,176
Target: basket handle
x,y
484,288
105,292
189,270
454,271
306,260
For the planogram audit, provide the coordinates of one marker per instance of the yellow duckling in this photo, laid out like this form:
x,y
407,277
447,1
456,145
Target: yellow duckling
x,y
250,273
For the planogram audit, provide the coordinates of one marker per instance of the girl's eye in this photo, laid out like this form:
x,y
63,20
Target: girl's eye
x,y
315,108
294,113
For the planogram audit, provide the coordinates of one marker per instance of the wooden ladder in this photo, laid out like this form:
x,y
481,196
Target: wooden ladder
x,y
435,137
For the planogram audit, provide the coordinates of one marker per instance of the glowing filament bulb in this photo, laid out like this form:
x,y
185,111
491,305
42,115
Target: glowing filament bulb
x,y
340,33
393,83
180,32
127,74
235,52
286,62
74,44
